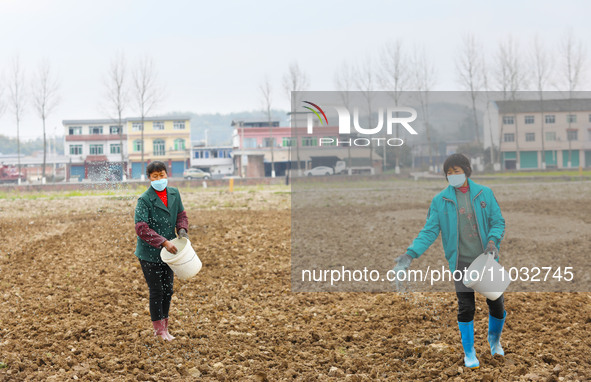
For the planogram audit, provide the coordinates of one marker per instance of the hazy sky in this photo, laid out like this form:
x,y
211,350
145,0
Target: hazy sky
x,y
211,56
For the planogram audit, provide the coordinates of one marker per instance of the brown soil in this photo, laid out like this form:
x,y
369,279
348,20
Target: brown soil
x,y
74,304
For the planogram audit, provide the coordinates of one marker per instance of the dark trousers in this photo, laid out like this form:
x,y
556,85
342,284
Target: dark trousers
x,y
159,278
467,303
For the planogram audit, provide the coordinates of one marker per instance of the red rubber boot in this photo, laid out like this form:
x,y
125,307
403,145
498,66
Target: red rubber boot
x,y
169,336
160,329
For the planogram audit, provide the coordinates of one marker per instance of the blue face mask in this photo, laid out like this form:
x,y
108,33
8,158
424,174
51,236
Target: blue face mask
x,y
160,185
456,180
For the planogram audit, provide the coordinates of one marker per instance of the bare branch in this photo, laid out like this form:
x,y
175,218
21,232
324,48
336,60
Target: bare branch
x,y
117,94
45,98
44,91
265,88
469,64
510,75
343,78
574,57
294,80
423,74
17,100
116,87
394,71
469,70
542,64
147,92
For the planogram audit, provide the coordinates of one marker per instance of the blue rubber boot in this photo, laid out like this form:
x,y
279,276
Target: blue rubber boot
x,y
495,327
467,333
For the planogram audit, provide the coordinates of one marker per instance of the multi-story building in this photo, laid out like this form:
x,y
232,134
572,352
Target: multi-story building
x,y
217,160
166,139
258,144
96,149
548,134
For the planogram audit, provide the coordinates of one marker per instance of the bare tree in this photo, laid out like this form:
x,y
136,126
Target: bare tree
x,y
541,70
424,78
265,88
486,86
147,93
469,70
344,84
17,101
45,99
573,59
116,95
511,78
295,80
394,77
366,82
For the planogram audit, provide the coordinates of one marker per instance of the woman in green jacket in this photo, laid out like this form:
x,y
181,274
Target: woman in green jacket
x,y
470,221
159,212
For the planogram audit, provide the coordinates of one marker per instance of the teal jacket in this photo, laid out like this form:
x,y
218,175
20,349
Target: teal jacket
x,y
443,217
155,223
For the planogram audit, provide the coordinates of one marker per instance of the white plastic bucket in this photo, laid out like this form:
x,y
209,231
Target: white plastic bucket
x,y
185,264
487,277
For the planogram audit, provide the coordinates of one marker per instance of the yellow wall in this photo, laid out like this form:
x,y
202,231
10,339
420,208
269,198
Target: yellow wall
x,y
169,135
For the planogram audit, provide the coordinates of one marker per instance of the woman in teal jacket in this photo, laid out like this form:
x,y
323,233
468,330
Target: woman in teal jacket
x,y
158,214
470,221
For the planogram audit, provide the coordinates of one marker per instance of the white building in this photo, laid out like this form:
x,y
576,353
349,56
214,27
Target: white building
x,y
96,149
217,160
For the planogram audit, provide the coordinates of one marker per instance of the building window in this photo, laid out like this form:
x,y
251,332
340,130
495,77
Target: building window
x,y
287,141
508,120
179,125
572,135
529,119
206,154
509,137
114,130
179,144
76,150
96,149
309,141
115,148
550,118
530,137
159,147
75,130
268,142
197,154
250,143
96,130
571,118
551,136
136,126
158,125
137,145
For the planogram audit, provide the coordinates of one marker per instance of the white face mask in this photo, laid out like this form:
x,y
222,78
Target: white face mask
x,y
456,180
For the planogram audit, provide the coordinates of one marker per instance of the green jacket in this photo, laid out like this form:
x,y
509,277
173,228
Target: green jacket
x,y
443,217
162,220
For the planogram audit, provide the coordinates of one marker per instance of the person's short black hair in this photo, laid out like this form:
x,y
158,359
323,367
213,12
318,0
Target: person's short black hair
x,y
155,166
457,160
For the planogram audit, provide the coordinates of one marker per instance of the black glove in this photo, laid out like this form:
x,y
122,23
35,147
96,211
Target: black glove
x,y
183,233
